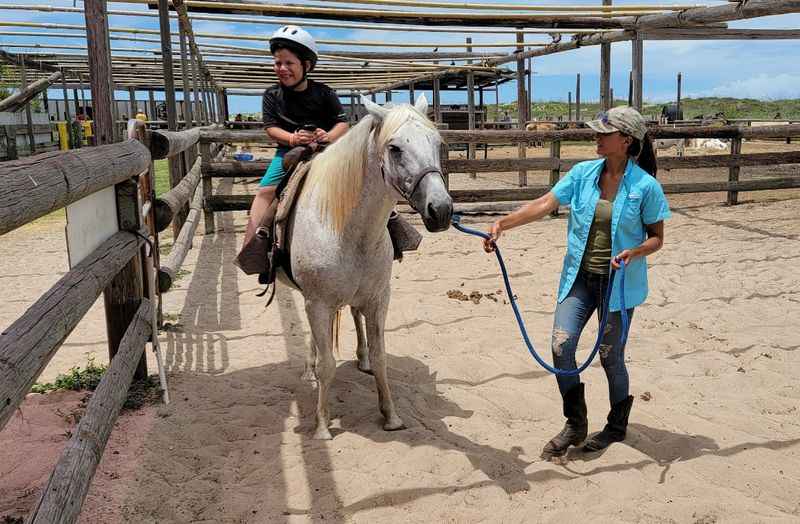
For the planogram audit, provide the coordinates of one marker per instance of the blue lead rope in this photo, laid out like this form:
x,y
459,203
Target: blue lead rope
x,y
604,314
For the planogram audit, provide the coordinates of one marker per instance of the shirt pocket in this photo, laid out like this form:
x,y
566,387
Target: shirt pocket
x,y
631,222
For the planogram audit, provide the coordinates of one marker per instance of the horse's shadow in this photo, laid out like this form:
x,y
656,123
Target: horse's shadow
x,y
423,409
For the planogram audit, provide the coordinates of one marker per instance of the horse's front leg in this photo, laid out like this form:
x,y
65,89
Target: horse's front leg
x,y
309,373
376,317
361,350
320,317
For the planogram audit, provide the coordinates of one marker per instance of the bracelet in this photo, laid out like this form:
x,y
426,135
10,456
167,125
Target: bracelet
x,y
292,139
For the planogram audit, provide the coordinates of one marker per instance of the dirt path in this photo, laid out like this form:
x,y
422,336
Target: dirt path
x,y
715,350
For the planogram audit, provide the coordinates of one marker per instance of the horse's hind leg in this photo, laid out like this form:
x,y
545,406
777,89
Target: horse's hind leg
x,y
376,318
361,350
320,317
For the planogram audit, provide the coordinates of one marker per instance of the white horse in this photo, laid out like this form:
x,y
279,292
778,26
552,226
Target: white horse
x,y
339,245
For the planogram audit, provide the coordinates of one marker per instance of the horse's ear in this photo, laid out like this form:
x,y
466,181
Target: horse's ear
x,y
421,104
374,109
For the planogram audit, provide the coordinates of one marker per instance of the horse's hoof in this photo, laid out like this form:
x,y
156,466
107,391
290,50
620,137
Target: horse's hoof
x,y
365,368
394,424
308,376
323,434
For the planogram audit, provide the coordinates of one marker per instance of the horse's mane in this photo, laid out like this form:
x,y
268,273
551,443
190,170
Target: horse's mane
x,y
337,174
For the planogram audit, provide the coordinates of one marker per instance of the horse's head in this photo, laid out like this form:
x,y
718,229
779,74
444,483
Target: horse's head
x,y
408,150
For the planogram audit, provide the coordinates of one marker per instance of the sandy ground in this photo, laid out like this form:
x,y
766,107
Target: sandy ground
x,y
713,357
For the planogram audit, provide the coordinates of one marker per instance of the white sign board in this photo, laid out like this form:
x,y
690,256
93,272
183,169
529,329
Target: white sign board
x,y
90,222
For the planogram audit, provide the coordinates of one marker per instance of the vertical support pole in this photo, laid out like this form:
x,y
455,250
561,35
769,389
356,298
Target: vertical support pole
x,y
437,105
733,171
412,97
223,97
470,107
497,99
124,294
555,172
529,97
569,105
353,108
169,95
23,76
11,143
605,73
638,63
153,111
187,98
83,97
678,99
389,95
522,109
134,106
611,98
198,107
76,100
208,215
578,97
630,88
46,102
99,70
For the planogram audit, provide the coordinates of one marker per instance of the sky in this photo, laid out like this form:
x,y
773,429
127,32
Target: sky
x,y
751,69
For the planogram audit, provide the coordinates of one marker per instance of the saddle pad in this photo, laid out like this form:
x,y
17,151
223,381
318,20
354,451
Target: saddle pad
x,y
287,200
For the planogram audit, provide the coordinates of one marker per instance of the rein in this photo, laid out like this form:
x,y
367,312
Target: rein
x,y
456,221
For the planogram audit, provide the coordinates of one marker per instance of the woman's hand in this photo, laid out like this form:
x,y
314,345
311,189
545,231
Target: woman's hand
x,y
321,136
626,255
495,231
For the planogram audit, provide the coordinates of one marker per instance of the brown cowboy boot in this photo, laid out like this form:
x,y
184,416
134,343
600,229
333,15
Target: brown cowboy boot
x,y
575,429
252,259
616,428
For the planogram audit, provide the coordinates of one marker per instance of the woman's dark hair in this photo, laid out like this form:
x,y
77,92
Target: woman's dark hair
x,y
644,155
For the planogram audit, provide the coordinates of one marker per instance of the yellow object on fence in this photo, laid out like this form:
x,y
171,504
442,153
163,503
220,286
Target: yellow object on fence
x,y
63,136
87,128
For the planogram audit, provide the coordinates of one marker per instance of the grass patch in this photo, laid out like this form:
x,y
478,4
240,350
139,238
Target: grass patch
x,y
162,176
76,379
180,274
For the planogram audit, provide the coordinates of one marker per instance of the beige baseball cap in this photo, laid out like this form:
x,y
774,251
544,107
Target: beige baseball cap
x,y
624,119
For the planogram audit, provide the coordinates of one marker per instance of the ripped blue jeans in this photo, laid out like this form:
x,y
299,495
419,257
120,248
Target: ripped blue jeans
x,y
587,296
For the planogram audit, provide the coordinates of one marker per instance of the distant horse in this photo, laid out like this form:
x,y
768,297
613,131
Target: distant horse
x,y
338,242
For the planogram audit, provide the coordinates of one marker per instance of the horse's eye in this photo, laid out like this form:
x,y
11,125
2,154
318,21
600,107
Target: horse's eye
x,y
394,149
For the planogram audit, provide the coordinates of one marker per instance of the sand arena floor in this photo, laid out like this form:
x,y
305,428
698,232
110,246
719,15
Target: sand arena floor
x,y
713,358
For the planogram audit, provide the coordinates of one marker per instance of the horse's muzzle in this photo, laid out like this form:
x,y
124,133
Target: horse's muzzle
x,y
433,202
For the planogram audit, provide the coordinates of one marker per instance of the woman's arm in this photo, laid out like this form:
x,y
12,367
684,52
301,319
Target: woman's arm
x,y
655,239
526,214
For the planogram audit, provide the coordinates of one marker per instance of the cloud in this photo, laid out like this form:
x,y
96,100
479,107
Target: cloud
x,y
762,87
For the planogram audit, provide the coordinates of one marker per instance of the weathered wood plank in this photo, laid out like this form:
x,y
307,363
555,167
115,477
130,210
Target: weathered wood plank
x,y
170,267
164,144
22,97
31,341
235,168
37,185
232,136
170,203
63,495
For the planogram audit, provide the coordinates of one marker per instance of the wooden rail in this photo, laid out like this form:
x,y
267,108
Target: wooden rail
x,y
170,267
29,343
173,201
40,184
62,498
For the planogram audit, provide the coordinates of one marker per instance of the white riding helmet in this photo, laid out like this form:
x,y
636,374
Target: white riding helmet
x,y
296,39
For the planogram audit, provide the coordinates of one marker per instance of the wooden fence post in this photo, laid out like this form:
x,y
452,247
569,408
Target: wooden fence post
x,y
555,173
522,107
124,294
208,214
733,172
11,143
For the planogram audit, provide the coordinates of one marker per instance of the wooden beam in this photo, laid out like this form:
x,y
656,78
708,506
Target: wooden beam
x,y
172,202
605,72
62,497
30,342
637,61
170,267
28,116
33,188
22,97
720,13
165,144
716,33
99,70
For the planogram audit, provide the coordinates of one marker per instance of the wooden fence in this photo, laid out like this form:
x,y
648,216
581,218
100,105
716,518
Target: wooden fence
x,y
553,164
122,268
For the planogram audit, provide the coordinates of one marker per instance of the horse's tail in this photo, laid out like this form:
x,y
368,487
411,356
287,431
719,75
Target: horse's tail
x,y
337,321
